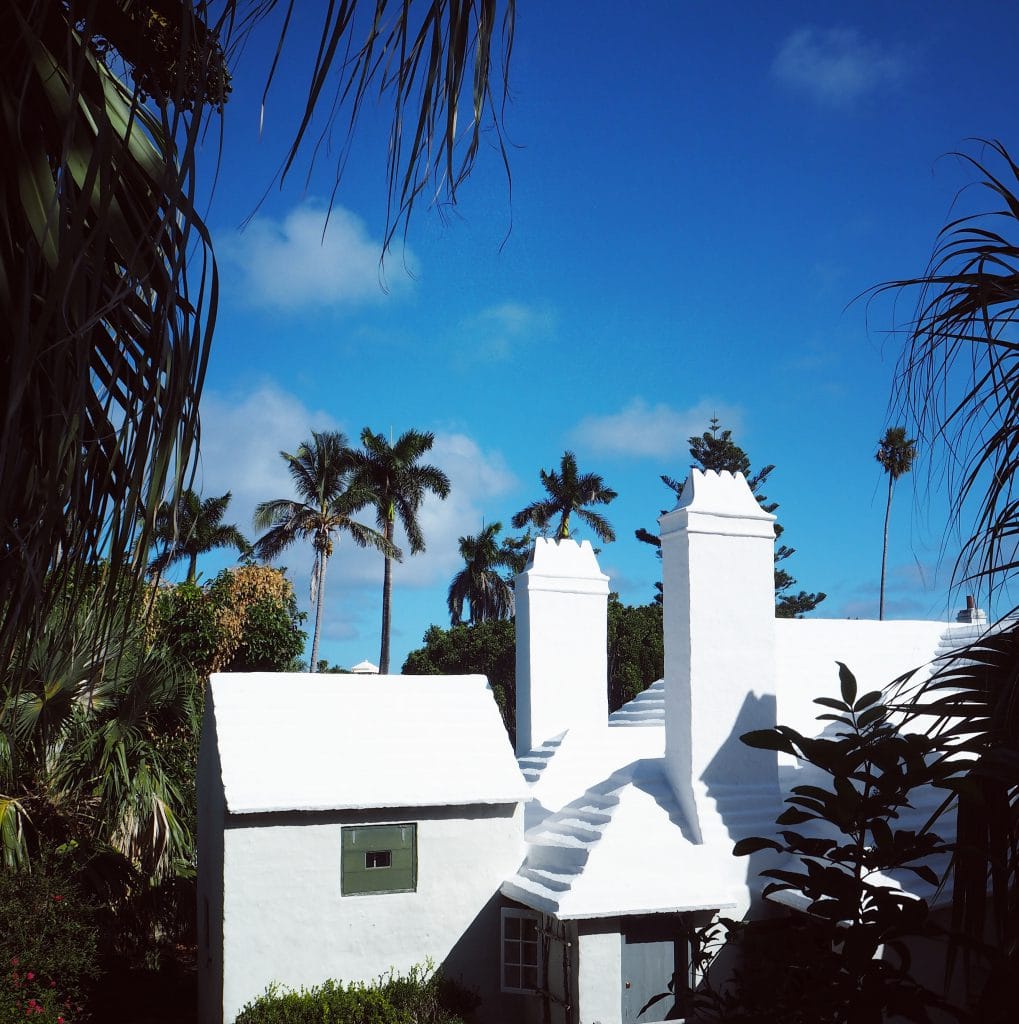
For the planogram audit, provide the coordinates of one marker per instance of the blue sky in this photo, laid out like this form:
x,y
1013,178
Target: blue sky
x,y
699,192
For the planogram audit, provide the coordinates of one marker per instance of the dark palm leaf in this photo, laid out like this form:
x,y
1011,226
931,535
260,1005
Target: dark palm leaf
x,y
398,482
479,584
959,373
569,492
329,497
190,527
959,381
107,284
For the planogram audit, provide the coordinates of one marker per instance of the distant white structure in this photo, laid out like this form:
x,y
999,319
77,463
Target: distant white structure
x,y
349,826
365,668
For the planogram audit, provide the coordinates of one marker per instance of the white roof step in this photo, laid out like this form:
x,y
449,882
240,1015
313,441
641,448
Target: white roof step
x,y
646,709
533,763
556,852
589,814
554,881
531,893
586,831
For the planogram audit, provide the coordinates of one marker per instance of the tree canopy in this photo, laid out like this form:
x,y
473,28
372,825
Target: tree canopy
x,y
329,495
190,527
397,480
487,593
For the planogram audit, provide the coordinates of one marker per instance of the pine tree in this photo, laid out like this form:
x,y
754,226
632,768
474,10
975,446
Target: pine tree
x,y
715,449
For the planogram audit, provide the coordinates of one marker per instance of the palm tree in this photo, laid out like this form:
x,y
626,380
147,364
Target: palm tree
x,y
569,492
958,378
398,484
488,595
108,294
896,453
190,527
329,497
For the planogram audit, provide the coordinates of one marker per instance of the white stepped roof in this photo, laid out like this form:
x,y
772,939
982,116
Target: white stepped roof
x,y
605,835
303,742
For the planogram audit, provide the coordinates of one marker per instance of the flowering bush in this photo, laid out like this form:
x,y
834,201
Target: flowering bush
x,y
47,946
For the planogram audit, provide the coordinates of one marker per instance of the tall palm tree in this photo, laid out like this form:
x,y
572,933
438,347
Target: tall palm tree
x,y
569,493
896,453
958,378
328,498
398,483
189,527
488,595
107,278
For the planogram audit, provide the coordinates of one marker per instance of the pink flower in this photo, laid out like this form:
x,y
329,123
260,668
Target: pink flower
x,y
15,961
30,975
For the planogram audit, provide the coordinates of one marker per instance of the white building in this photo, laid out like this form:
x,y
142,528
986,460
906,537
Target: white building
x,y
348,825
559,897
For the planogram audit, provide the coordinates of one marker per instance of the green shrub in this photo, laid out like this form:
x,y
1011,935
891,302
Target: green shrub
x,y
47,945
422,996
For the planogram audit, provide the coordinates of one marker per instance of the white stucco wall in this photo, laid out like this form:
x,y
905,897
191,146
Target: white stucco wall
x,y
807,650
285,920
562,663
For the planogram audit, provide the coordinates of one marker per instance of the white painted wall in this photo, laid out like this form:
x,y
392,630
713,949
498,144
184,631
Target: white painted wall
x,y
719,618
285,920
562,663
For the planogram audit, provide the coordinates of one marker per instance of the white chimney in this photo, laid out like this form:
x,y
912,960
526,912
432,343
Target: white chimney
x,y
718,567
562,664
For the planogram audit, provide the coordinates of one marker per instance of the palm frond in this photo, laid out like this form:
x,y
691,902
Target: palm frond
x,y
958,373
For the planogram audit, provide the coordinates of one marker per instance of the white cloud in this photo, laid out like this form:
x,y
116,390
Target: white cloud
x,y
650,431
290,264
497,332
836,66
242,436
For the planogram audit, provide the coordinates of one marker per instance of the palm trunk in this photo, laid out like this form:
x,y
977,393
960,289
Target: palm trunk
x,y
323,559
192,568
884,550
387,595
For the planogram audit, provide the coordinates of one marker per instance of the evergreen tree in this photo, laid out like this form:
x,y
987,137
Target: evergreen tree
x,y
715,449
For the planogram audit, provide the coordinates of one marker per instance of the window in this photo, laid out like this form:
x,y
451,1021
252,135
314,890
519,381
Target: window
x,y
378,859
521,950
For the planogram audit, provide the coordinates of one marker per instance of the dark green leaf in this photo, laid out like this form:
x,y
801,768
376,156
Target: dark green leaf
x,y
847,681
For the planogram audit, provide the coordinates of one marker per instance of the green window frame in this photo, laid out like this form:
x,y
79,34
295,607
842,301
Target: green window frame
x,y
376,859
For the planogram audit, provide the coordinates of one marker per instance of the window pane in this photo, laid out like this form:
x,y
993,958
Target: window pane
x,y
530,929
528,952
378,859
511,952
512,927
529,977
512,975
